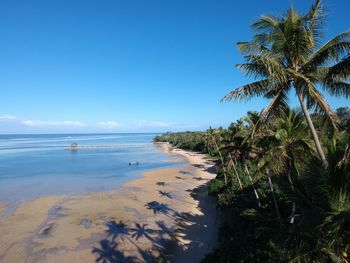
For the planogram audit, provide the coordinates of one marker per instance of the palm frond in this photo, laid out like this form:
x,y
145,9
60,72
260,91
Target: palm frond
x,y
269,65
297,45
251,48
314,20
315,99
345,161
337,88
340,70
306,145
276,106
257,88
256,48
255,70
333,50
266,23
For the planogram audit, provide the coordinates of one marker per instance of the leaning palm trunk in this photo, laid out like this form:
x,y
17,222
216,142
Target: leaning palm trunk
x,y
292,216
273,195
233,164
222,161
252,183
313,132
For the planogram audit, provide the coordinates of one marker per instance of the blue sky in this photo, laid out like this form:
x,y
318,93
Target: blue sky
x,y
130,66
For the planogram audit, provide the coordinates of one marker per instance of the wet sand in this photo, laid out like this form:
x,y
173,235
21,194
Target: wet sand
x,y
2,207
159,217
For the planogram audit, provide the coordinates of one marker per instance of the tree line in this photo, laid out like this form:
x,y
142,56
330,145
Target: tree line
x,y
283,174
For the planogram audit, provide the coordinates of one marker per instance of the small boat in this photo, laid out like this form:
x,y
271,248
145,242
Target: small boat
x,y
134,163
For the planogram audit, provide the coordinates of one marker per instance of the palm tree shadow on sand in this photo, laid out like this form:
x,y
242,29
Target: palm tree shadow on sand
x,y
142,230
117,230
108,252
165,194
164,209
169,244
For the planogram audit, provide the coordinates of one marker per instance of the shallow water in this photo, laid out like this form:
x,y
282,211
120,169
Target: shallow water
x,y
38,165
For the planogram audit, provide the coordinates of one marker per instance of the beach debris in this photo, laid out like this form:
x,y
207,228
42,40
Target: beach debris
x,y
161,183
87,223
134,163
74,147
46,230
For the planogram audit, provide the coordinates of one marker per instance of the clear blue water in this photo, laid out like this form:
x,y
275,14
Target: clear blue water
x,y
37,165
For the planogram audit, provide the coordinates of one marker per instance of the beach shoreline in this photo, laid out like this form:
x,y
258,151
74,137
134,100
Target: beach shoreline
x,y
157,212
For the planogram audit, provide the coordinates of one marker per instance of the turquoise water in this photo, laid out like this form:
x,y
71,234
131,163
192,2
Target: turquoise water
x,y
37,165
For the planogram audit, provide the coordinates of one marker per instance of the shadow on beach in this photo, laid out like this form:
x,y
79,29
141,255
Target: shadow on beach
x,y
205,168
198,232
192,238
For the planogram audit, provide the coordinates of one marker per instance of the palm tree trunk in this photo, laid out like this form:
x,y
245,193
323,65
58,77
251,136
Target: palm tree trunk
x,y
292,216
252,183
222,161
236,173
273,195
313,132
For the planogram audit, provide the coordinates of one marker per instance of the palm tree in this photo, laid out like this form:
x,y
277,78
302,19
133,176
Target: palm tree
x,y
208,141
241,145
285,54
287,146
214,140
226,147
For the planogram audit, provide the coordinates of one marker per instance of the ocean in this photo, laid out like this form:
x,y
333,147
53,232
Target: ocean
x,y
37,165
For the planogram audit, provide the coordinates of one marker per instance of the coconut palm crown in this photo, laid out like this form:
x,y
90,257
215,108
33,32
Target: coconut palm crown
x,y
285,54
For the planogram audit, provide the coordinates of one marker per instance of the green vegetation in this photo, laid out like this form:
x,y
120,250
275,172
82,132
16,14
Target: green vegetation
x,y
285,54
278,202
283,181
185,140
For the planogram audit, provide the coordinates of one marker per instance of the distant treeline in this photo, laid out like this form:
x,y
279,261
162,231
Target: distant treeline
x,y
194,141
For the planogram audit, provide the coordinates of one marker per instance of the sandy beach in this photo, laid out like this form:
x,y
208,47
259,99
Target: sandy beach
x,y
158,217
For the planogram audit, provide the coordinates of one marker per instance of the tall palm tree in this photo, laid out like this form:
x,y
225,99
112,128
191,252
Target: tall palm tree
x,y
286,54
287,145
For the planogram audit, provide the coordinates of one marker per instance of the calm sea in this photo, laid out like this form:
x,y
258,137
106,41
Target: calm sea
x,y
37,165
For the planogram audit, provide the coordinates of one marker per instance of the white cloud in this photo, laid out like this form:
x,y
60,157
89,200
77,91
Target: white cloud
x,y
140,125
109,124
6,117
157,124
38,123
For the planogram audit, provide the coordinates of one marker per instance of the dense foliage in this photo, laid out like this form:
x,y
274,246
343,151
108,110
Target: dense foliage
x,y
278,203
185,140
283,181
